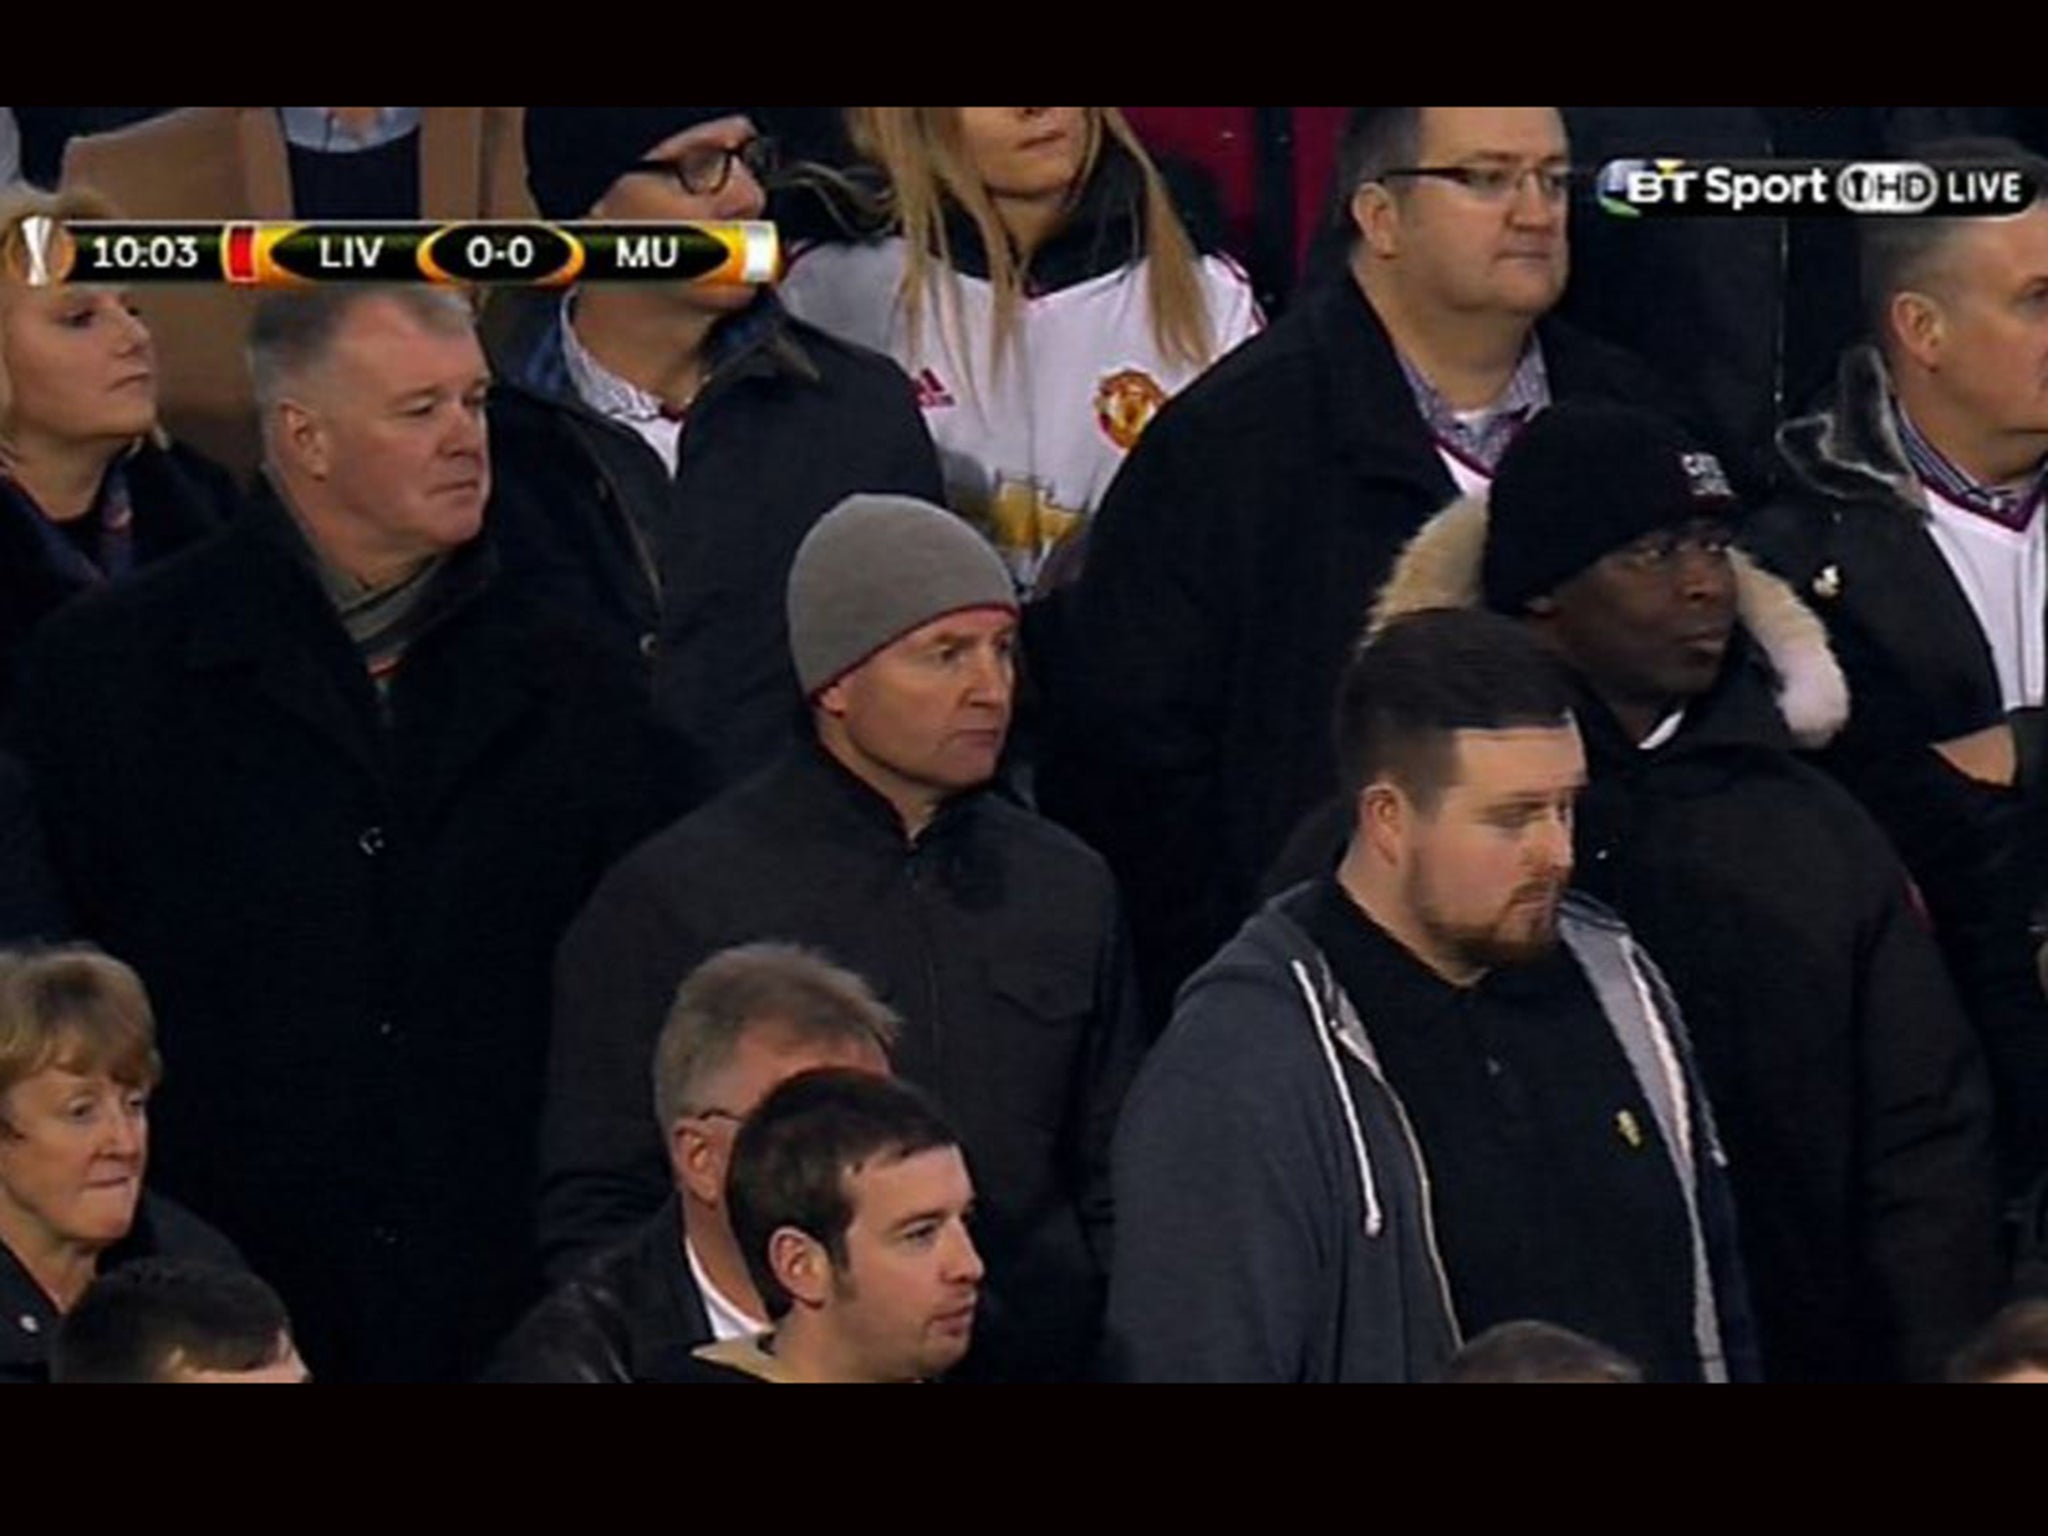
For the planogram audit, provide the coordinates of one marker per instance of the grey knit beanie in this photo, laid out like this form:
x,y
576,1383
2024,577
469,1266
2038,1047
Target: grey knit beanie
x,y
875,568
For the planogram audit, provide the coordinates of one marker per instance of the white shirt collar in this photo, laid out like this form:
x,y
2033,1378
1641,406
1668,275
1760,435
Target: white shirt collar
x,y
312,128
729,1320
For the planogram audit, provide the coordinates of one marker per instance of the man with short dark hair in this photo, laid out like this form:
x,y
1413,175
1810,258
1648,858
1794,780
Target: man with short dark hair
x,y
1910,517
883,843
177,1321
1844,1077
335,791
743,1021
662,448
1433,1092
850,1200
1228,565
1537,1353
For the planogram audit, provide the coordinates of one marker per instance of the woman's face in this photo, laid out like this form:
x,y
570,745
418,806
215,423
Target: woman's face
x,y
72,1150
1026,152
80,366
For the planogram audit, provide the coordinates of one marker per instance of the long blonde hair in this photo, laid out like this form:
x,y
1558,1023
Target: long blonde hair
x,y
924,156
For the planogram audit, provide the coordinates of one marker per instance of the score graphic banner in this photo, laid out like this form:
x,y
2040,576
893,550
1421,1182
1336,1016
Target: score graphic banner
x,y
42,252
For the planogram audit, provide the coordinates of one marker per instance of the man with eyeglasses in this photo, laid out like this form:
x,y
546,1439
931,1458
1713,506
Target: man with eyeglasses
x,y
1234,554
744,1021
1844,1078
662,449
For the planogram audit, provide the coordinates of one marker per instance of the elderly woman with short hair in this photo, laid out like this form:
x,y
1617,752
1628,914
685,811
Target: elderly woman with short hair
x,y
77,1063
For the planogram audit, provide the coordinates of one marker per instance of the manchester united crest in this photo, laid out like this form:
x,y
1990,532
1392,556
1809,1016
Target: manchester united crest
x,y
1125,403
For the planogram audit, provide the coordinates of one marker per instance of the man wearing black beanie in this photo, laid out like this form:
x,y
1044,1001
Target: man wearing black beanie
x,y
662,449
1848,1089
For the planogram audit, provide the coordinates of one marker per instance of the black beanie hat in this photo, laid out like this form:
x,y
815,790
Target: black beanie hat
x,y
1582,480
574,154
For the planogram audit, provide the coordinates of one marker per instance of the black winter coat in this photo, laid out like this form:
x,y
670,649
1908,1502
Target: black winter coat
x,y
29,908
1849,533
177,498
994,936
345,927
685,577
1229,571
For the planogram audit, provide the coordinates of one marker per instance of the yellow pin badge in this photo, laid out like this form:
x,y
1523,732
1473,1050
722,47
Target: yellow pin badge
x,y
1631,1132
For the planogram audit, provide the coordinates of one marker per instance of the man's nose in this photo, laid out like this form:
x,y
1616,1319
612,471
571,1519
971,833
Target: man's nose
x,y
1705,575
1534,207
1552,846
994,676
964,1261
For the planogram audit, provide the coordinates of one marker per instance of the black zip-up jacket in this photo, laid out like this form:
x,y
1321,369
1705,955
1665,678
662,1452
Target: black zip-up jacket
x,y
1849,533
684,577
1229,572
995,936
622,1312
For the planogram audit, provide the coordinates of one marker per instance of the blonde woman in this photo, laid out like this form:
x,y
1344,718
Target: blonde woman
x,y
90,490
1035,282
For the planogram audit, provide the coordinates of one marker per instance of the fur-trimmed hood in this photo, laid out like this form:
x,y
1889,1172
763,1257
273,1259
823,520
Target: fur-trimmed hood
x,y
1441,565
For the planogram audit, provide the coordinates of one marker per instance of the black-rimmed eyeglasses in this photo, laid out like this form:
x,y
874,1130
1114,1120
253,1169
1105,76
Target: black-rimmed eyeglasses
x,y
1493,183
703,171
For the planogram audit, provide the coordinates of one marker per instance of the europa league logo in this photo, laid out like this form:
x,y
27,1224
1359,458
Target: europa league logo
x,y
38,251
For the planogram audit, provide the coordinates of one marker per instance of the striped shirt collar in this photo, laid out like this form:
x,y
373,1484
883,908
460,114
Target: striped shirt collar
x,y
1482,437
599,388
2010,506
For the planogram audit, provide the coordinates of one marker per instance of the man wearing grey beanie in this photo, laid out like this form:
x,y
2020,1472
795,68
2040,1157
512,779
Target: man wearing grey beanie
x,y
662,448
885,843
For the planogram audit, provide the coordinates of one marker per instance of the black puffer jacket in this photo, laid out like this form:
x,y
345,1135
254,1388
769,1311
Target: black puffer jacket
x,y
1846,1082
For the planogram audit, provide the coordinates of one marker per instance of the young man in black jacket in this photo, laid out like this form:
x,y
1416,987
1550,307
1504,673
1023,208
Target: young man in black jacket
x,y
883,843
1230,562
662,449
744,1021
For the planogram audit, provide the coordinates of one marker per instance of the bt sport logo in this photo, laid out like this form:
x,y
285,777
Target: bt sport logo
x,y
1634,189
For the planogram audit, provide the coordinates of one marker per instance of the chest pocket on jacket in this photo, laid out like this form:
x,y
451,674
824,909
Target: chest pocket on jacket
x,y
1038,1024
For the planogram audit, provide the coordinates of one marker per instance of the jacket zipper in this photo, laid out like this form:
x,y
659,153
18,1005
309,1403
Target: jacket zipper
x,y
1436,1261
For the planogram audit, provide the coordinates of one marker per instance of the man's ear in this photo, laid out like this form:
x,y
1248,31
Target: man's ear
x,y
1918,326
305,439
695,1162
1377,217
832,700
800,1263
1383,817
